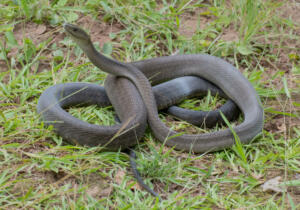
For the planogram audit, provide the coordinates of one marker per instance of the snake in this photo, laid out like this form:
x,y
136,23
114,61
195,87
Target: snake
x,y
127,80
55,100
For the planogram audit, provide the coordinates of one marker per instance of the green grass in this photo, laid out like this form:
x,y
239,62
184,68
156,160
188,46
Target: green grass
x,y
38,170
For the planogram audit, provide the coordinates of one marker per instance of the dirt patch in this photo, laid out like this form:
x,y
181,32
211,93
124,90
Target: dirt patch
x,y
35,33
281,125
4,68
291,11
286,48
38,33
99,30
230,35
192,21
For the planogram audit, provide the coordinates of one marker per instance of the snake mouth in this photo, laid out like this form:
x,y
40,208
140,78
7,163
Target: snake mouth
x,y
70,29
76,32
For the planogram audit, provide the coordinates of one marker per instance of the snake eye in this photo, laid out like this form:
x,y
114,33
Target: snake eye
x,y
75,29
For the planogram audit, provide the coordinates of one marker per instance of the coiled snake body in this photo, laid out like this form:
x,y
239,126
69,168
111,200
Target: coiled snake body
x,y
128,86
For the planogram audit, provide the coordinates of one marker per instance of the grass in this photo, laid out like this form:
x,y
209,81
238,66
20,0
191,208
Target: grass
x,y
38,170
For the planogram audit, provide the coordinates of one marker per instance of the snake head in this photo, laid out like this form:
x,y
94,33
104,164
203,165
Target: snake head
x,y
77,34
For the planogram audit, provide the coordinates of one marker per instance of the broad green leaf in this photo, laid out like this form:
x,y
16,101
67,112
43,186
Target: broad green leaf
x,y
72,16
24,4
286,89
244,50
11,38
107,48
62,3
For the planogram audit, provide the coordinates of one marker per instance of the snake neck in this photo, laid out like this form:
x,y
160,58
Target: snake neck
x,y
124,70
104,63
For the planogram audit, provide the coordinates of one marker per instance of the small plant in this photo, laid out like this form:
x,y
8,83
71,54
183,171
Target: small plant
x,y
39,170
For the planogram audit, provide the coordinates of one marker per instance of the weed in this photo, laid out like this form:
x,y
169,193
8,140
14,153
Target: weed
x,y
39,170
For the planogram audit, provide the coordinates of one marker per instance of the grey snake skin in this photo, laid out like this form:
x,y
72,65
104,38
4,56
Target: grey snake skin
x,y
130,92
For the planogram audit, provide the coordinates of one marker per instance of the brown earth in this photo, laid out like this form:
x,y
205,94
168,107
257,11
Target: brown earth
x,y
190,23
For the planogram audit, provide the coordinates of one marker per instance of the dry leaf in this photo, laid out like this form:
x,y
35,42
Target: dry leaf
x,y
96,191
119,176
40,29
106,192
281,127
93,191
136,186
273,185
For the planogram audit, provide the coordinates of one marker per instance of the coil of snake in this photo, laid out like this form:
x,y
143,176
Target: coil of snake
x,y
128,89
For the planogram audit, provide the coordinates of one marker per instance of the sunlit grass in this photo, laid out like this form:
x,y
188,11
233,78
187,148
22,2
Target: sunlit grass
x,y
39,170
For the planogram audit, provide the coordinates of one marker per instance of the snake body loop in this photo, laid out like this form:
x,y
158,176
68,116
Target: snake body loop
x,y
131,94
129,90
161,69
128,105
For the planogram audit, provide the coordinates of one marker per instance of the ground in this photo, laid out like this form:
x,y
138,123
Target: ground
x,y
40,170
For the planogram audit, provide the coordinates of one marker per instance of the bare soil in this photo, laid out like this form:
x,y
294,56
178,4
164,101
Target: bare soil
x,y
190,23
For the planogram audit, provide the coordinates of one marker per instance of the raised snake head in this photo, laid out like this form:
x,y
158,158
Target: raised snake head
x,y
78,35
